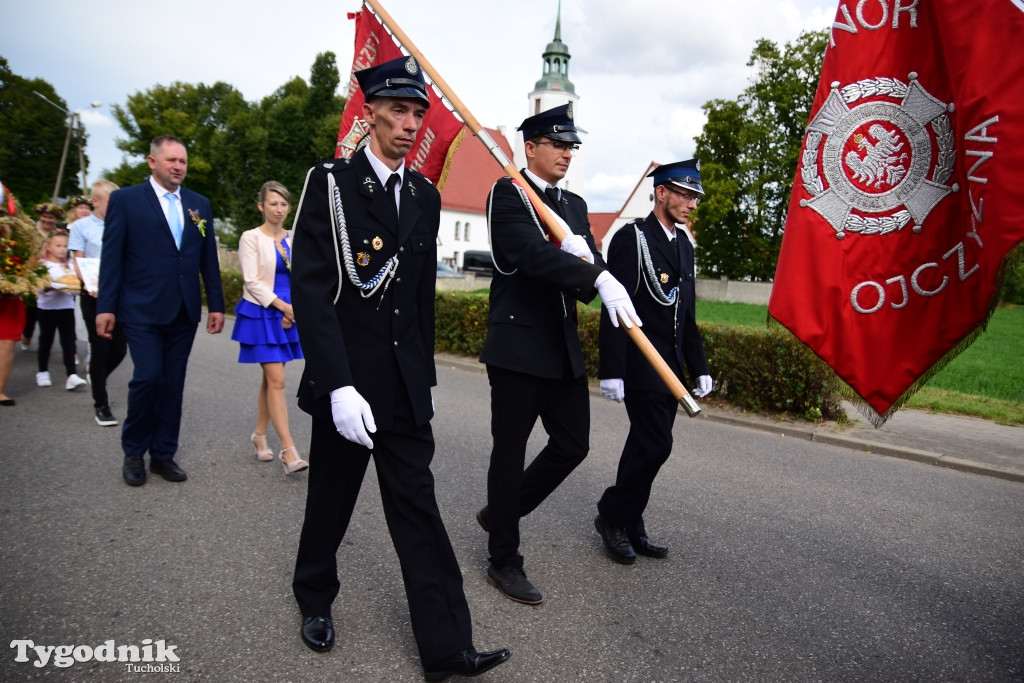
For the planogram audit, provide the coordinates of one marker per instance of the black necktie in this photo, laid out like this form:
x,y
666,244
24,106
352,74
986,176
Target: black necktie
x,y
390,189
552,193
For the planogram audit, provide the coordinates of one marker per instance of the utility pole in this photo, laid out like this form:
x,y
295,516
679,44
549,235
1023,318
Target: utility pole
x,y
74,121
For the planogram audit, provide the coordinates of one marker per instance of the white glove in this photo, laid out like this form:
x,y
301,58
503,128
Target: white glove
x,y
704,386
352,416
613,389
616,300
577,246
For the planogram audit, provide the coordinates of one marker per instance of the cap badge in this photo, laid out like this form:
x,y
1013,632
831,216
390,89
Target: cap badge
x,y
410,66
377,243
568,111
363,259
697,165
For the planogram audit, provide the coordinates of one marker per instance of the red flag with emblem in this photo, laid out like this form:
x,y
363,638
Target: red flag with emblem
x,y
441,132
908,202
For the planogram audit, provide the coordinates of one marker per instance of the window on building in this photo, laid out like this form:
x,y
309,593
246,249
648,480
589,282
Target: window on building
x,y
458,225
465,231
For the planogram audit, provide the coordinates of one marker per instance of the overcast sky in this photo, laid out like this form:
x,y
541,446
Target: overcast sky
x,y
642,68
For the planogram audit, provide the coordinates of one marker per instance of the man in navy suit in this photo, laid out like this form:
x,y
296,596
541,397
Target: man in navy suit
x,y
654,259
157,241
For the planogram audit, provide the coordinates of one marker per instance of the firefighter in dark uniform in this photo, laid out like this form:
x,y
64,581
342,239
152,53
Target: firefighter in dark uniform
x,y
364,264
653,258
532,349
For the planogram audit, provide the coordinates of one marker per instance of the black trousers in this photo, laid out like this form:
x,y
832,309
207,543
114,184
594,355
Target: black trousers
x,y
60,321
438,610
648,445
517,400
104,354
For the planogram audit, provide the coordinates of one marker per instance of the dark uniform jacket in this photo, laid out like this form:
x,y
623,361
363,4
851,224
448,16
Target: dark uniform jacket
x,y
671,330
382,344
531,327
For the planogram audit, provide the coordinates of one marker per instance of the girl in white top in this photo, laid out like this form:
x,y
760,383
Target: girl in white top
x,y
56,306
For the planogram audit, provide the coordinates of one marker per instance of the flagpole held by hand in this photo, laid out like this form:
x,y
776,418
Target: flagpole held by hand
x,y
556,230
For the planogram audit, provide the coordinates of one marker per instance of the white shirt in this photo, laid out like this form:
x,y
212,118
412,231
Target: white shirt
x,y
541,183
164,204
383,173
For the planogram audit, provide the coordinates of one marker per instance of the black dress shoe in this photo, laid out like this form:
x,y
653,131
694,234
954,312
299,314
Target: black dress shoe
x,y
513,583
168,469
318,633
646,547
615,541
134,470
481,520
466,663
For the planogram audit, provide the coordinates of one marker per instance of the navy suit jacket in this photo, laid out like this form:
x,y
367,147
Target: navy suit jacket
x,y
144,278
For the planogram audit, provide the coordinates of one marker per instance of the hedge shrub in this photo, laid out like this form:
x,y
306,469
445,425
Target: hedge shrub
x,y
756,369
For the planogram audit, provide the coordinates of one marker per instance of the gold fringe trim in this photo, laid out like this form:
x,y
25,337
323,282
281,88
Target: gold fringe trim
x,y
451,155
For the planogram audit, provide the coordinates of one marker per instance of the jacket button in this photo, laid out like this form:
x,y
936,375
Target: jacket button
x,y
396,344
396,311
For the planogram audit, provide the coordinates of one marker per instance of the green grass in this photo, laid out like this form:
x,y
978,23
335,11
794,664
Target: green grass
x,y
986,380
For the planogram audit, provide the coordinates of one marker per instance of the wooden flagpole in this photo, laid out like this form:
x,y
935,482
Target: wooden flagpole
x,y
639,338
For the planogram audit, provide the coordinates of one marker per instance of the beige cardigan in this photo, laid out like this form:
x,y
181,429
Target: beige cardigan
x,y
257,258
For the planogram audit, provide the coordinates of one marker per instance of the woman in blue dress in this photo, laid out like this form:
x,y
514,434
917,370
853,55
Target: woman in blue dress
x,y
264,321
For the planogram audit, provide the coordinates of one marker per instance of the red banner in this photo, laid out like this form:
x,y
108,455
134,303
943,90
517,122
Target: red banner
x,y
433,150
910,191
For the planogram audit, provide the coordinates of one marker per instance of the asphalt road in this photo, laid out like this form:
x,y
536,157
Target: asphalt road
x,y
790,560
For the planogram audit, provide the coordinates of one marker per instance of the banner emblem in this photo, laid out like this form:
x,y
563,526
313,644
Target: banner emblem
x,y
876,157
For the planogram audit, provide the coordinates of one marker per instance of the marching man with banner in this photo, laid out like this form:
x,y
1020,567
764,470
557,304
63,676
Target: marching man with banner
x,y
532,349
363,273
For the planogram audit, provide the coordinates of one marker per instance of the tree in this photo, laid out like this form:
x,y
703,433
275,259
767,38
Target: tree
x,y
33,139
235,146
750,149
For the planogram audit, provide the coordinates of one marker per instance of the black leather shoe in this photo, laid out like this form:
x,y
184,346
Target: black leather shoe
x,y
466,663
318,633
134,470
168,469
481,520
513,583
646,547
615,541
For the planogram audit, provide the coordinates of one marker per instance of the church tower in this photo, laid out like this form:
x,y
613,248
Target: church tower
x,y
552,90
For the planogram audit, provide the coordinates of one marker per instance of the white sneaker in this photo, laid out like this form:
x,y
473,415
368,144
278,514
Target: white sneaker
x,y
74,381
43,379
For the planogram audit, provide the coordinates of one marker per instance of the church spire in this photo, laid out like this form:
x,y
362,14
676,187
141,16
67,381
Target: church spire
x,y
556,62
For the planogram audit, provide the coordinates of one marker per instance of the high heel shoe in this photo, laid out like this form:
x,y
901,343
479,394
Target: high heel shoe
x,y
296,465
261,448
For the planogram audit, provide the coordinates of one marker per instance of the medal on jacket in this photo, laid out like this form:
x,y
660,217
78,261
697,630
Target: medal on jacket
x,y
664,278
377,243
363,259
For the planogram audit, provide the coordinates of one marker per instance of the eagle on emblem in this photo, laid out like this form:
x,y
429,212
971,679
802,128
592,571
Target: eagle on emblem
x,y
882,163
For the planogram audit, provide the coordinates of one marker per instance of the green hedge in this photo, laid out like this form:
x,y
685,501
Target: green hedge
x,y
756,369
1013,287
